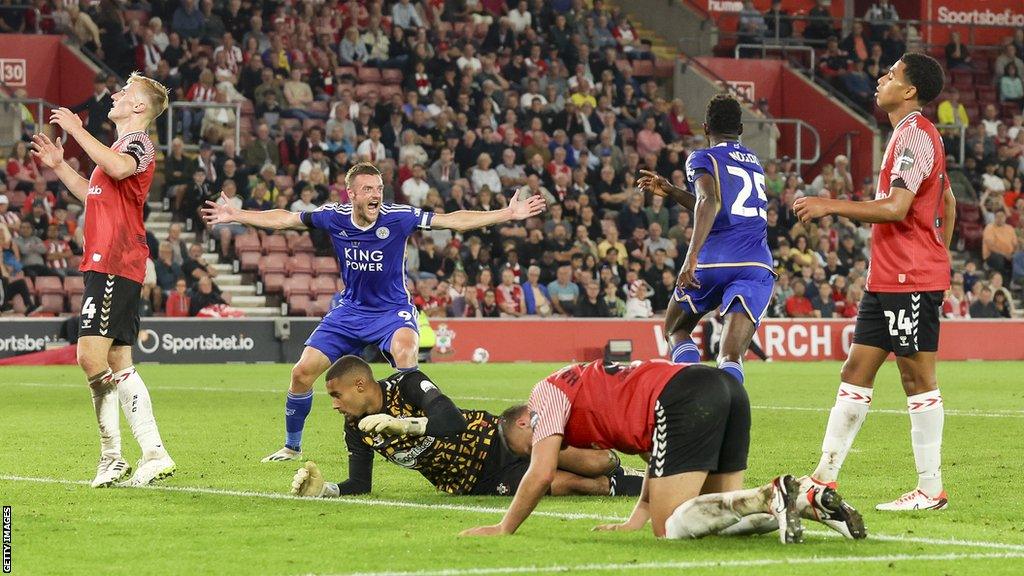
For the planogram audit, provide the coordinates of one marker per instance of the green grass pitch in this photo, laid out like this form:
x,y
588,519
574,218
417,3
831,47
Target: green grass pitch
x,y
225,513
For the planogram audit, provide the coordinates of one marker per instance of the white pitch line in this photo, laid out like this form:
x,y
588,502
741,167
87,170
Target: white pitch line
x,y
1016,548
948,412
693,565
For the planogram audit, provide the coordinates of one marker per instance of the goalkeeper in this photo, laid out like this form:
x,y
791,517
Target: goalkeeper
x,y
409,422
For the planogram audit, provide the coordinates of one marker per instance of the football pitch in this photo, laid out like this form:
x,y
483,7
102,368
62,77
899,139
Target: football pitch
x,y
226,513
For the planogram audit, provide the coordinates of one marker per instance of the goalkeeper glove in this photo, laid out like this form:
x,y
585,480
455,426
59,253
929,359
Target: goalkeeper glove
x,y
385,424
309,483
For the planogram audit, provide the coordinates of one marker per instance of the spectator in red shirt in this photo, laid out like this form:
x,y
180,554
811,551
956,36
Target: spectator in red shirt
x,y
178,301
956,304
58,251
799,305
22,170
39,192
509,295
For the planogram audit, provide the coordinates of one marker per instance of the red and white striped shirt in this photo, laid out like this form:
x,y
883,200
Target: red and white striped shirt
x,y
55,247
910,255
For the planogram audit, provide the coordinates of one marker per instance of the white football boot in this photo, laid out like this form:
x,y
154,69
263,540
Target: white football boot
x,y
110,471
821,503
152,469
284,455
785,490
915,500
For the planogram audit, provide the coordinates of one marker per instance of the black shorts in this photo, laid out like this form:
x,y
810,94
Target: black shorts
x,y
110,308
900,322
502,472
701,422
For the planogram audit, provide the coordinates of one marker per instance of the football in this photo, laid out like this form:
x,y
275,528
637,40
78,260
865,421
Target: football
x,y
481,355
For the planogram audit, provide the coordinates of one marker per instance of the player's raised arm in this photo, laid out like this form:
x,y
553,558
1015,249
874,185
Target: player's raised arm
x,y
277,219
534,485
708,203
519,208
51,154
117,165
659,185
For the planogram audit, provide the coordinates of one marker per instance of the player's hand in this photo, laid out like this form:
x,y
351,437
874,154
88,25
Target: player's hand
x,y
688,274
219,213
623,527
50,153
809,208
66,119
523,207
308,482
495,530
653,183
387,424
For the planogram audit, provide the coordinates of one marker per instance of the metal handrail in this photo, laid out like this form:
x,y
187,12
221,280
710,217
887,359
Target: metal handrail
x,y
800,126
777,47
236,106
23,8
39,105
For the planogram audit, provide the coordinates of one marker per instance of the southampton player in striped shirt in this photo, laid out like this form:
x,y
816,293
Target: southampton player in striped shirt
x,y
369,239
114,265
912,224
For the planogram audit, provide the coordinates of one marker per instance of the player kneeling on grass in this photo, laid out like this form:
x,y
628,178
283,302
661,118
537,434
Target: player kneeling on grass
x,y
694,421
408,421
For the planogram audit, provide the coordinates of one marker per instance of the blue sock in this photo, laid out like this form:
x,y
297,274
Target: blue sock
x,y
733,368
686,351
296,408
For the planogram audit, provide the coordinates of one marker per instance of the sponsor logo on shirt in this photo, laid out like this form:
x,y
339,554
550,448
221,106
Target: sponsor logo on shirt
x,y
95,190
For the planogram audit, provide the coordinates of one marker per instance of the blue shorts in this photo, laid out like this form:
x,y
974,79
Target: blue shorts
x,y
347,330
746,289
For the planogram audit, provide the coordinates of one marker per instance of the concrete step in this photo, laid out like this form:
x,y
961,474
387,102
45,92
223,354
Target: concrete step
x,y
159,217
236,290
242,301
229,280
261,312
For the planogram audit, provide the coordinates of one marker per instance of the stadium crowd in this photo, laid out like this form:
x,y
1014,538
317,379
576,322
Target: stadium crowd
x,y
460,103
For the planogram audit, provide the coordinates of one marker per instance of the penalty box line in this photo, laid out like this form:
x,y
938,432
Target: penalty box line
x,y
1015,548
948,411
695,565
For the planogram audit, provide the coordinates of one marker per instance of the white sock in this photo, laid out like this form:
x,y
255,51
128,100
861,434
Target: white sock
x,y
138,410
852,403
926,419
752,524
714,513
104,401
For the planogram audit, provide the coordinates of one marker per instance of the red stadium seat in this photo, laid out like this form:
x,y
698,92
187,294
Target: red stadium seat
x,y
345,71
301,244
300,263
298,305
275,244
49,285
74,285
273,282
664,68
75,303
971,233
51,303
249,261
369,75
325,266
391,76
275,262
324,286
296,285
247,243
968,213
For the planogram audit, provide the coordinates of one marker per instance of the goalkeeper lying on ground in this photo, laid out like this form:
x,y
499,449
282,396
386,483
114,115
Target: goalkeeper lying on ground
x,y
410,422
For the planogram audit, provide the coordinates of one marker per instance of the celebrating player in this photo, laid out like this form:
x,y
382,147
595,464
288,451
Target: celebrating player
x,y
912,216
114,263
693,420
408,421
728,265
369,239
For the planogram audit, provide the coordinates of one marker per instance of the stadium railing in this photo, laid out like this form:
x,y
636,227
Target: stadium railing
x,y
799,149
11,121
963,138
784,48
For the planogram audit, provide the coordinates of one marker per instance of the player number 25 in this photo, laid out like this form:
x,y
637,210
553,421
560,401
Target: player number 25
x,y
738,207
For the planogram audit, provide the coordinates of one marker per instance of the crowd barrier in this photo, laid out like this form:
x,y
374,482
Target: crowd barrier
x,y
551,340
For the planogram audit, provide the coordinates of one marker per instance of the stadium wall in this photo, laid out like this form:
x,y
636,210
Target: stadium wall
x,y
191,341
51,70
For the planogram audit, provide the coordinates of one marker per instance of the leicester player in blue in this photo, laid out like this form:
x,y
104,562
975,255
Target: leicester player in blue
x,y
728,265
369,239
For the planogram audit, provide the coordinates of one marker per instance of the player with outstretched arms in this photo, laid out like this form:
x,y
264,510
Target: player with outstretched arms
x,y
406,419
369,240
693,422
912,218
728,266
114,265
